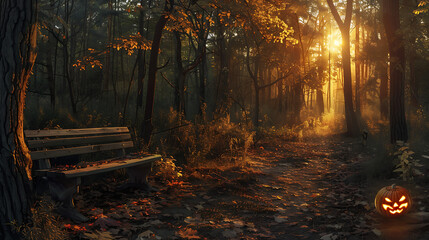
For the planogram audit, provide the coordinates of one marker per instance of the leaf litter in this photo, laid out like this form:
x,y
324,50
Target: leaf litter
x,y
296,191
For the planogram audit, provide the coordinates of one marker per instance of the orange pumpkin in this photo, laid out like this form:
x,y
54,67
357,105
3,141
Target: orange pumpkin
x,y
393,201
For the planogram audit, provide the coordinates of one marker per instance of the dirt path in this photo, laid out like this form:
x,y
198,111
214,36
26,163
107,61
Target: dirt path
x,y
287,190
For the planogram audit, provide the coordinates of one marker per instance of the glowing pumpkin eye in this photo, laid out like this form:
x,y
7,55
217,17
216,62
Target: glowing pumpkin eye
x,y
402,199
387,200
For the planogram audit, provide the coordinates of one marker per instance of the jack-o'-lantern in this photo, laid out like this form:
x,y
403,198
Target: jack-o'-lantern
x,y
392,201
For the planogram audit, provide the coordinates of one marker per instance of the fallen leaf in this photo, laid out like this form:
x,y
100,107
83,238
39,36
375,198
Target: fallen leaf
x,y
280,219
229,233
144,235
188,233
104,222
199,207
99,235
330,236
376,232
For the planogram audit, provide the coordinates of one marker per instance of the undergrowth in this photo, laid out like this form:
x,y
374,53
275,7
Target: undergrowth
x,y
196,143
44,224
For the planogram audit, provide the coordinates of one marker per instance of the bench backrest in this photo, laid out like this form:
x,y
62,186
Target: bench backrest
x,y
46,144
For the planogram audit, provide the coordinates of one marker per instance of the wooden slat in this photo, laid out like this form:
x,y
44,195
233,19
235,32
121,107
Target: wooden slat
x,y
35,155
106,167
73,132
57,142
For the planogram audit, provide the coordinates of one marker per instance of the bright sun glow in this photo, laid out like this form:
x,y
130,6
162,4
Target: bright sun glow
x,y
337,43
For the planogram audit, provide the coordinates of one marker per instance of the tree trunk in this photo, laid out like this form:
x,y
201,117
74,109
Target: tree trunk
x,y
107,69
298,98
202,41
319,101
351,120
51,76
391,20
384,87
382,71
17,56
279,94
297,102
179,98
357,64
153,68
414,88
352,125
141,60
223,69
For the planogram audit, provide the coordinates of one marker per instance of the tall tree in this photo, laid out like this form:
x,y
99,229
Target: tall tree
x,y
153,68
391,20
18,35
351,120
357,62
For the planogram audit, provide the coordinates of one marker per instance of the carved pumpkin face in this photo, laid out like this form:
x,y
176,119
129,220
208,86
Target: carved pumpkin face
x,y
392,201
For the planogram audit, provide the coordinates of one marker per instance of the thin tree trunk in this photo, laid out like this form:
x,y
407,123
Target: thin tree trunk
x,y
357,64
202,41
351,120
141,56
108,68
280,93
382,69
51,77
223,68
153,68
414,89
18,37
179,77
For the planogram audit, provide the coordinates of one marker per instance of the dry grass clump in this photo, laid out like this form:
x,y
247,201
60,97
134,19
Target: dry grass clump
x,y
44,225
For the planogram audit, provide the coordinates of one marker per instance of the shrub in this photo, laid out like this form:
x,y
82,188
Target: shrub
x,y
199,142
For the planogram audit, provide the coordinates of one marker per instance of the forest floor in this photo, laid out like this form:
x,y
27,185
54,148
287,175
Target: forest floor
x,y
313,189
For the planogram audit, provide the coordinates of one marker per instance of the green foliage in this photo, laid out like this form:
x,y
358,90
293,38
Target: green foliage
x,y
406,165
44,224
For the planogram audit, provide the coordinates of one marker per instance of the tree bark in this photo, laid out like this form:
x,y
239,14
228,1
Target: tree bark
x,y
391,20
202,42
18,35
153,68
382,71
351,120
223,68
179,98
141,60
357,64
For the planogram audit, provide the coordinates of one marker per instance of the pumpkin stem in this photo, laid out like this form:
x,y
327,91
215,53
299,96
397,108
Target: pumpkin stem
x,y
393,186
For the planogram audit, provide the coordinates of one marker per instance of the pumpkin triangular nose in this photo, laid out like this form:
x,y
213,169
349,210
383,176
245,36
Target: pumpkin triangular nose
x,y
395,205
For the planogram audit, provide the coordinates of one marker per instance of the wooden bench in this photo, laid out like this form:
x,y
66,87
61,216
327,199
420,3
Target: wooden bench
x,y
50,146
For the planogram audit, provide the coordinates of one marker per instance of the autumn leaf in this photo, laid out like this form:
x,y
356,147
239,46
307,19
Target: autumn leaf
x,y
104,222
98,236
188,233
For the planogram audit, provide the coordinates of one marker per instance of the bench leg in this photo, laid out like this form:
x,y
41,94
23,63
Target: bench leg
x,y
137,178
62,191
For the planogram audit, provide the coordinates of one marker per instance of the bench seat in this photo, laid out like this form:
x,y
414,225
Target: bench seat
x,y
111,165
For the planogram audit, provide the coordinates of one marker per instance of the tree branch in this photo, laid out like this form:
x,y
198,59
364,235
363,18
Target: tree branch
x,y
335,14
168,81
195,63
289,72
349,11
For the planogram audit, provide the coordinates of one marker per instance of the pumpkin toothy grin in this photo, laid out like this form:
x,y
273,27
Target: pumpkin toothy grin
x,y
396,211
